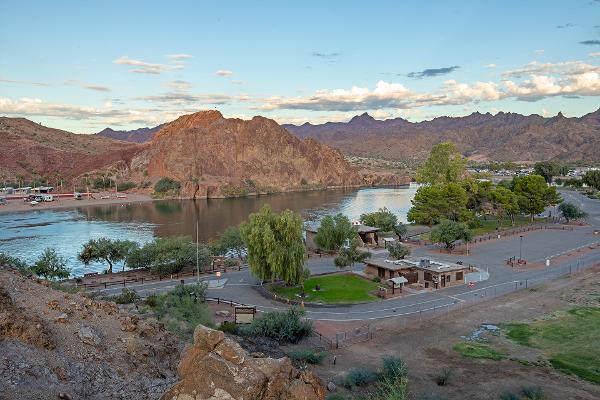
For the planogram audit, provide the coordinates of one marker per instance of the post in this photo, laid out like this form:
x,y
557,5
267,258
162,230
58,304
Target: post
x,y
521,248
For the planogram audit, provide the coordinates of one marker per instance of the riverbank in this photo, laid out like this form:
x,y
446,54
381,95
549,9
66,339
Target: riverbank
x,y
13,206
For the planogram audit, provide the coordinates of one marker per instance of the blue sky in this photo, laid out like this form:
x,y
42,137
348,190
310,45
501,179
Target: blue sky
x,y
82,66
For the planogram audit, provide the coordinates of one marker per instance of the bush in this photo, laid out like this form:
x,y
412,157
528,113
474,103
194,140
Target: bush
x,y
165,185
123,186
283,326
397,250
444,378
152,300
508,396
228,327
533,393
50,265
394,367
359,377
15,262
127,296
305,356
231,263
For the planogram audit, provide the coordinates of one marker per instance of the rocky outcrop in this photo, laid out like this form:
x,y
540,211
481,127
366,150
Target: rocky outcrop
x,y
214,156
217,368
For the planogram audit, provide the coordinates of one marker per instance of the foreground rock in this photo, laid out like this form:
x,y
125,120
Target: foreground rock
x,y
216,367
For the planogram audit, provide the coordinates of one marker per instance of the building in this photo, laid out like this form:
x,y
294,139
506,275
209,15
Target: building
x,y
367,236
426,273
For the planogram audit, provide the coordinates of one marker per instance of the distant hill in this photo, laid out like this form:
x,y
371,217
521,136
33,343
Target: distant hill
x,y
500,137
140,135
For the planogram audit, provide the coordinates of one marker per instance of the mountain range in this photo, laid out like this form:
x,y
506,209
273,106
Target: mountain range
x,y
140,135
481,137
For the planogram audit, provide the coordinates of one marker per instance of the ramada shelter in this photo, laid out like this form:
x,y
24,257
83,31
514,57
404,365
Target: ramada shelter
x,y
367,236
426,273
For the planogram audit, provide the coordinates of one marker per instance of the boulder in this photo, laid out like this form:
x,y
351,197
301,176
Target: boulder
x,y
62,318
223,313
88,336
215,367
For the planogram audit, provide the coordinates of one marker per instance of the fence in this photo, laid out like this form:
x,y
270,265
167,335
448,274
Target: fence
x,y
346,338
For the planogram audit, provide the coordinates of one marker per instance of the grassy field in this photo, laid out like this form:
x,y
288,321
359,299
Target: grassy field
x,y
489,225
570,341
478,350
335,288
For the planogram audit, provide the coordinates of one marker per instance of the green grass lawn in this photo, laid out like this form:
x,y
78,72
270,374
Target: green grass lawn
x,y
335,288
489,225
570,342
478,350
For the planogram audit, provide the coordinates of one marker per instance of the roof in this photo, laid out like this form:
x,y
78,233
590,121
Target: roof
x,y
398,280
432,266
360,228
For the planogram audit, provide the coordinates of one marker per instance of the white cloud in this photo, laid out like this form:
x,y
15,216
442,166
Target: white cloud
x,y
142,67
597,54
179,85
490,66
24,82
224,73
539,51
180,57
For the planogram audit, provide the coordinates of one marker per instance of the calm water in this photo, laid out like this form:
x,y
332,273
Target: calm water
x,y
27,234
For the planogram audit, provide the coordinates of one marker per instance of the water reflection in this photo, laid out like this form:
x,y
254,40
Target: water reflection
x,y
27,234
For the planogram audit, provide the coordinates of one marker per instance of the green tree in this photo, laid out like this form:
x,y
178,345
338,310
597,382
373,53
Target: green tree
x,y
383,219
547,170
349,255
51,266
444,165
231,240
571,211
397,250
169,255
478,195
334,231
592,179
275,245
448,232
108,250
400,230
534,194
504,203
432,203
166,184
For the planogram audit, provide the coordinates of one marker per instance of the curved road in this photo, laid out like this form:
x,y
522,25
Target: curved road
x,y
490,256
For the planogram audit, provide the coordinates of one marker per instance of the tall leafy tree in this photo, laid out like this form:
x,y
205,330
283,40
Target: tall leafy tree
x,y
448,232
275,245
547,169
398,250
334,231
51,265
592,179
107,250
383,219
231,240
571,211
504,203
445,164
432,203
351,255
534,194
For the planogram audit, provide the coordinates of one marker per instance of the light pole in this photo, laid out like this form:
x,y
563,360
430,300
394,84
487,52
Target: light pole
x,y
197,251
521,247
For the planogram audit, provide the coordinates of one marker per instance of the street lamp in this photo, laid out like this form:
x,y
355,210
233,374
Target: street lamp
x,y
521,248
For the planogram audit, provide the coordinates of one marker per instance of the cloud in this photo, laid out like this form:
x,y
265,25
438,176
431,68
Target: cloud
x,y
143,67
83,85
179,85
431,72
597,54
564,26
184,98
40,84
325,56
179,57
490,66
539,51
224,73
591,42
562,68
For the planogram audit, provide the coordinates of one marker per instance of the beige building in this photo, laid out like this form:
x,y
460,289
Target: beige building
x,y
427,273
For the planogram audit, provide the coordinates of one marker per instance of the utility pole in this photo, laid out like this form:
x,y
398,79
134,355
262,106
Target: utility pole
x,y
197,251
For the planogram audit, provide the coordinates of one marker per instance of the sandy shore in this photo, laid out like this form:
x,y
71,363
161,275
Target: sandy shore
x,y
21,206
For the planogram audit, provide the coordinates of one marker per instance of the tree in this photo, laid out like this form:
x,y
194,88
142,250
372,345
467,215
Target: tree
x,y
275,245
547,169
334,231
383,219
397,250
478,195
400,230
166,184
592,179
433,203
349,255
444,165
108,250
504,202
449,232
571,211
51,266
534,194
231,240
169,255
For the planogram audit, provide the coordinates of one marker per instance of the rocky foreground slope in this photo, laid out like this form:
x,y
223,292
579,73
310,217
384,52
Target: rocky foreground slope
x,y
500,137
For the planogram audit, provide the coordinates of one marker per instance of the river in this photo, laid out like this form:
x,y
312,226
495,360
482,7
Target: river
x,y
27,234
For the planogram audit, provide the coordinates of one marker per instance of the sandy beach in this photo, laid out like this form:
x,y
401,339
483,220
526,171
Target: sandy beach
x,y
21,206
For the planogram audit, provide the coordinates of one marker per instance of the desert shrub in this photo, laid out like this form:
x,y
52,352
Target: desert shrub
x,y
376,279
283,326
533,393
166,185
228,327
359,376
231,263
127,296
152,300
15,262
508,396
394,367
122,186
306,356
444,377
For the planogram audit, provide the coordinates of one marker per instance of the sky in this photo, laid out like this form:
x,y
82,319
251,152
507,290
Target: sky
x,y
83,66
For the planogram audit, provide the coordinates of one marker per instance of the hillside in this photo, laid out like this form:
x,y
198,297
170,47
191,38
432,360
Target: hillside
x,y
29,149
500,137
140,135
213,156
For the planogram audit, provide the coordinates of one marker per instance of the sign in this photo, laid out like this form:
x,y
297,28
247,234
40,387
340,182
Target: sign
x,y
244,315
218,274
471,284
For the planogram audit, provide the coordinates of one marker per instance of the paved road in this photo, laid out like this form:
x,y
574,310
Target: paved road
x,y
537,247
